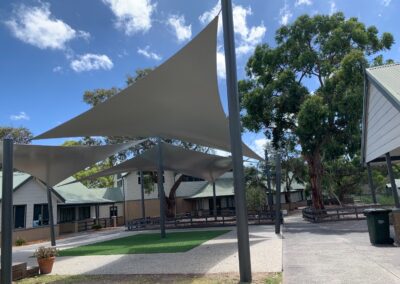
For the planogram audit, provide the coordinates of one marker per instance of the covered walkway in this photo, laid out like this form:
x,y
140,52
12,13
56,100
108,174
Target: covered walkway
x,y
335,252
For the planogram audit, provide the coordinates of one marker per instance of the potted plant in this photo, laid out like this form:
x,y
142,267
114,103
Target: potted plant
x,y
45,257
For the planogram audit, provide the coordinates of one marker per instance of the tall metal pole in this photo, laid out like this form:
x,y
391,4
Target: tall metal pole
x,y
268,174
160,184
214,201
142,193
371,183
236,143
392,181
278,195
51,220
7,212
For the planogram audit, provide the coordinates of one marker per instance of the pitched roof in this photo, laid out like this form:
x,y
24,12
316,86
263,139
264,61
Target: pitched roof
x,y
74,193
18,180
77,193
388,78
385,79
224,187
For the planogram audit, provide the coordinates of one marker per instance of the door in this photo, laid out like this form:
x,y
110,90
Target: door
x,y
19,216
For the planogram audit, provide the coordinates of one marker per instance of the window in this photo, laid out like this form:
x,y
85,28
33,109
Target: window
x,y
84,212
40,215
19,216
190,178
113,211
67,214
148,173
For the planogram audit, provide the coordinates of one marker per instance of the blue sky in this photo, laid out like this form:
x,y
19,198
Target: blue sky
x,y
52,51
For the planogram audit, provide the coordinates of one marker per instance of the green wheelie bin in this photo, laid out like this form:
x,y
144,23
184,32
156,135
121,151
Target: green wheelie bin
x,y
378,226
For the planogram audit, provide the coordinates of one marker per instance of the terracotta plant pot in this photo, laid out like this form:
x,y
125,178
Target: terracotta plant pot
x,y
46,264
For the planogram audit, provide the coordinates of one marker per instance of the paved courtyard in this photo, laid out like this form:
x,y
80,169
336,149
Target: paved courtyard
x,y
336,252
218,255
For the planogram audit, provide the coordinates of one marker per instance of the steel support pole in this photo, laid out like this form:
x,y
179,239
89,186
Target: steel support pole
x,y
236,143
142,194
268,174
371,184
278,195
392,181
7,212
160,185
51,218
214,201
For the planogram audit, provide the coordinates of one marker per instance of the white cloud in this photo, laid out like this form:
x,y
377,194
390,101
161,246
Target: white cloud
x,y
36,26
248,37
285,14
258,146
149,54
333,8
90,61
220,153
132,15
386,2
302,2
57,69
182,32
221,64
21,116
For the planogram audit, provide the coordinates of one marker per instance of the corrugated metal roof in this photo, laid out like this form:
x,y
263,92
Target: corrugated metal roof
x,y
18,179
388,77
74,193
77,193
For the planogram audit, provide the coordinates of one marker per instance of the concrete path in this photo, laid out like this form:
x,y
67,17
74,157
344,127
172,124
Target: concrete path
x,y
336,252
214,256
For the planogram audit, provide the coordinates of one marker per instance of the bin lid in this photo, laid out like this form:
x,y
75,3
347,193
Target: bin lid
x,y
376,211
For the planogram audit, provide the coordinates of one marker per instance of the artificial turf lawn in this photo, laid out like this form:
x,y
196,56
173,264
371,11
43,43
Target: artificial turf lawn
x,y
146,243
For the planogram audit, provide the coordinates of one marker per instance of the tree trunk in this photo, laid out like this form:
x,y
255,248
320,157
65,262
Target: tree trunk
x,y
316,172
171,199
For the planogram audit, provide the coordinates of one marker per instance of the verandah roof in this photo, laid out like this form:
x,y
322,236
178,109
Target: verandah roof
x,y
177,100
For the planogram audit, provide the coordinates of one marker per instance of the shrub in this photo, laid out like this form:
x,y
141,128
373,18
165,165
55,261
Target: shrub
x,y
46,252
20,242
96,227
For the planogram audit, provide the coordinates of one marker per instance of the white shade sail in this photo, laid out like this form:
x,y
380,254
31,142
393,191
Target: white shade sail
x,y
53,164
178,100
174,158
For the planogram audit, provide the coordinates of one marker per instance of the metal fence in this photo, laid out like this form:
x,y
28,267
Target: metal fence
x,y
336,214
192,221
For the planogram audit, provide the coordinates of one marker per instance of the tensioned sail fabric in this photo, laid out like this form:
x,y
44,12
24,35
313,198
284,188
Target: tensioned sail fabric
x,y
53,164
178,100
174,158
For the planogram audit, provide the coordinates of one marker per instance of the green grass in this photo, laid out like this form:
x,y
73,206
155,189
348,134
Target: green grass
x,y
146,243
381,198
274,279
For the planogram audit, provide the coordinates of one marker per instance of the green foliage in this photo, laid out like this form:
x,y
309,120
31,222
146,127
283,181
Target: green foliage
x,y
343,176
96,227
330,50
256,198
20,135
102,182
46,252
20,242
